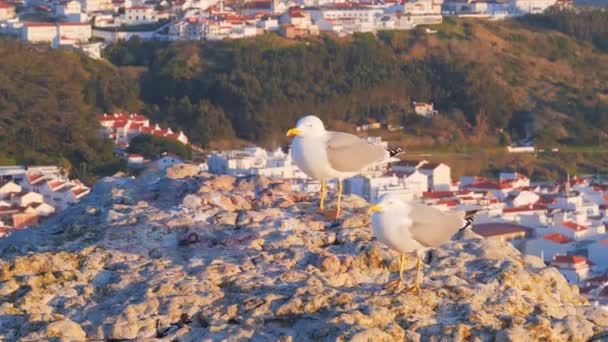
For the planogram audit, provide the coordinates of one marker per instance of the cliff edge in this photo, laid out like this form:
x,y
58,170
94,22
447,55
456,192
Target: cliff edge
x,y
192,256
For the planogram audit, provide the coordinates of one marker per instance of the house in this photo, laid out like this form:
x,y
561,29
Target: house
x,y
26,198
43,209
574,268
549,245
503,231
532,215
122,128
524,198
8,188
24,219
135,160
423,12
572,230
439,176
515,178
39,32
71,11
137,15
7,10
297,23
34,181
409,186
345,18
598,253
254,160
49,32
424,109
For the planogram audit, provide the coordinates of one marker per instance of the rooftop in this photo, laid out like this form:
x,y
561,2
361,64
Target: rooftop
x,y
499,228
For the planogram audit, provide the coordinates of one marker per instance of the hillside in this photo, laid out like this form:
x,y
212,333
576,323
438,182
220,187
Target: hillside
x,y
49,100
190,257
493,82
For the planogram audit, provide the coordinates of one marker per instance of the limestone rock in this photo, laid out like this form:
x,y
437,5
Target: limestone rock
x,y
196,257
66,329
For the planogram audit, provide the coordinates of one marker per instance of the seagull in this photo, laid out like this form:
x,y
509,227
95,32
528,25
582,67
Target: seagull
x,y
414,227
325,155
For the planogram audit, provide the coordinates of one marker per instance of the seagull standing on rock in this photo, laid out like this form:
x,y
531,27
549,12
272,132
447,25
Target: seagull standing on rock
x,y
325,155
414,227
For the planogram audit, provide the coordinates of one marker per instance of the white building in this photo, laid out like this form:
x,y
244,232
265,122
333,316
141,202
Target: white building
x,y
138,15
9,187
426,110
525,198
572,230
71,10
549,245
409,186
346,18
121,128
439,175
423,12
574,268
7,11
254,161
49,32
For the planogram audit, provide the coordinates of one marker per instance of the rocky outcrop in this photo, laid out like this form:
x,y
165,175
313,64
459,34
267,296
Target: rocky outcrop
x,y
198,257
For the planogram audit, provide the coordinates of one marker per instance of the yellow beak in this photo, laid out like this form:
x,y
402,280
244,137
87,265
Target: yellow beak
x,y
293,131
375,208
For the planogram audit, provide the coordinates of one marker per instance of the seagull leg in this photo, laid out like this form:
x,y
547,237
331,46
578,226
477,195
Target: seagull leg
x,y
339,207
396,284
323,191
416,286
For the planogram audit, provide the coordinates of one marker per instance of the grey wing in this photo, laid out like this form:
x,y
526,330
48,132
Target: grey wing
x,y
349,153
431,227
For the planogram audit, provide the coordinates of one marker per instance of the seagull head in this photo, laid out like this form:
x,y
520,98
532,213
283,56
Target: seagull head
x,y
308,126
389,204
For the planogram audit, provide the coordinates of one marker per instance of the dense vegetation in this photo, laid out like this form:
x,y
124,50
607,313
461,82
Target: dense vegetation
x,y
586,25
494,82
48,101
151,147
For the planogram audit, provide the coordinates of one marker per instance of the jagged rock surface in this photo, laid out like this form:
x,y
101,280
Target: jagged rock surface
x,y
250,259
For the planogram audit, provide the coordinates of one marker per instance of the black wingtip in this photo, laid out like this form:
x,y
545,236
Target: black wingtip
x,y
395,151
469,217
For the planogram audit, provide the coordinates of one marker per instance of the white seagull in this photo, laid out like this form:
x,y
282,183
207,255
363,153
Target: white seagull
x,y
325,155
414,227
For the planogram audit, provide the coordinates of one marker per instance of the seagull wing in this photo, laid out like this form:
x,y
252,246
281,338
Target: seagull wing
x,y
349,153
431,227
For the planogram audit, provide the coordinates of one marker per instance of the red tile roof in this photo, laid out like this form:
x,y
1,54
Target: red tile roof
x,y
499,228
448,202
574,226
531,207
558,238
120,123
437,194
78,191
569,259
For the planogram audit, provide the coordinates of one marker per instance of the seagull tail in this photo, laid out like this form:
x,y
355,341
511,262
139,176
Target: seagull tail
x,y
392,152
469,218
